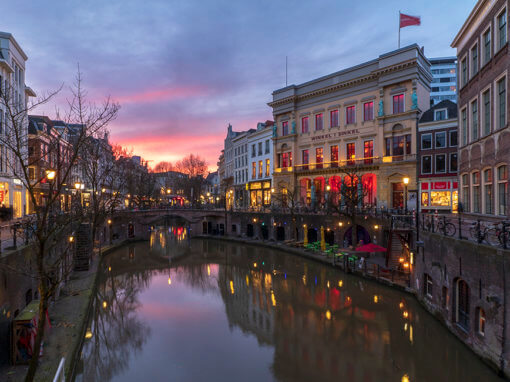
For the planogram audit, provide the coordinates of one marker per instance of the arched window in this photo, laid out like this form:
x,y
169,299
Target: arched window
x,y
480,321
462,304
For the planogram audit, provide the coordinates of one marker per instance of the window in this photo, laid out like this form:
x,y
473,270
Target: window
x,y
462,304
474,60
267,146
486,113
260,169
398,104
304,125
260,148
387,147
502,29
351,153
440,163
440,140
253,170
305,160
480,321
253,151
285,128
453,138
502,103
398,148
350,114
318,122
287,160
426,164
333,118
444,297
440,115
487,191
319,157
465,192
268,167
464,71
426,141
502,190
334,156
368,111
463,114
487,46
368,152
427,285
408,144
425,199
31,173
474,120
453,162
475,179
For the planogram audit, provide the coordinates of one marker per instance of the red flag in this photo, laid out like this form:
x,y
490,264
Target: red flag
x,y
406,20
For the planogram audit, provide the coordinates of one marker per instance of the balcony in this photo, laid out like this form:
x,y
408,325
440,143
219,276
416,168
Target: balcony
x,y
355,163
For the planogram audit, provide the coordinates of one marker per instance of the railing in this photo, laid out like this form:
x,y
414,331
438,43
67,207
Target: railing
x,y
60,374
347,163
495,233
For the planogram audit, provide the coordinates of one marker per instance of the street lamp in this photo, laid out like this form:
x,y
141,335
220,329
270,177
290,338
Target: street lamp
x,y
50,174
406,182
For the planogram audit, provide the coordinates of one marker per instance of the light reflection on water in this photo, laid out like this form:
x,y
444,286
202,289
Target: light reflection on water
x,y
183,310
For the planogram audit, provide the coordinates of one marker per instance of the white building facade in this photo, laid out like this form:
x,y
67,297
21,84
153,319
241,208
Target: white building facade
x,y
13,197
260,152
240,172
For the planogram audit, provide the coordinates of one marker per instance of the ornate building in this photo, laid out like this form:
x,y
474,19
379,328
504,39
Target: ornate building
x,y
361,120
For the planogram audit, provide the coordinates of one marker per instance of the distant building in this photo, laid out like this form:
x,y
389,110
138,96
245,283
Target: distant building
x,y
444,79
484,152
437,158
260,151
240,169
212,186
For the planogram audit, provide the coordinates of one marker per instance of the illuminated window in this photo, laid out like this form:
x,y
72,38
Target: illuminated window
x,y
368,111
398,148
398,104
287,160
350,114
318,122
304,125
425,199
285,128
351,153
334,156
502,194
260,169
368,152
333,117
440,198
268,167
253,170
319,157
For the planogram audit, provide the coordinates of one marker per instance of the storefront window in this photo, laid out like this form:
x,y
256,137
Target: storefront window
x,y
440,198
425,199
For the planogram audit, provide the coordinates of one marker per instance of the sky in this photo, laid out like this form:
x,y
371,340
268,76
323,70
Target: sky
x,y
183,70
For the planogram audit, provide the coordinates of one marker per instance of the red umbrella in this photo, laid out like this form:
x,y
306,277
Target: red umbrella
x,y
370,247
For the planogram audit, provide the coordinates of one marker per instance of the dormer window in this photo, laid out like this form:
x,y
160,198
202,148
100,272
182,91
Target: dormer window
x,y
440,115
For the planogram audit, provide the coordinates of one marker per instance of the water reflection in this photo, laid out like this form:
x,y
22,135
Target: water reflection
x,y
209,310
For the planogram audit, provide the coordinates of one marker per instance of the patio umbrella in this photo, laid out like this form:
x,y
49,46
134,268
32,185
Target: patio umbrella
x,y
323,242
370,247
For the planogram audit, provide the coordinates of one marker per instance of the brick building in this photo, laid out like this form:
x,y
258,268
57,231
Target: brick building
x,y
437,158
362,119
484,139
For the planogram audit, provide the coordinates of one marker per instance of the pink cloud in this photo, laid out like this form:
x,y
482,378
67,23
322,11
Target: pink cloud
x,y
158,95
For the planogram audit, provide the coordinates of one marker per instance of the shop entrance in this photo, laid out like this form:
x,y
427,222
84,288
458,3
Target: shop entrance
x,y
398,195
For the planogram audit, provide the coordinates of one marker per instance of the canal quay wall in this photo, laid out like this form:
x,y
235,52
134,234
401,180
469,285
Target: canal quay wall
x,y
475,277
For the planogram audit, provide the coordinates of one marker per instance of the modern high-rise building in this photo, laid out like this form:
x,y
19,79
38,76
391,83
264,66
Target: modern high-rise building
x,y
444,79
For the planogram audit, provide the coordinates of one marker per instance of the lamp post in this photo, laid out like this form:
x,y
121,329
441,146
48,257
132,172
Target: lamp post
x,y
110,230
406,182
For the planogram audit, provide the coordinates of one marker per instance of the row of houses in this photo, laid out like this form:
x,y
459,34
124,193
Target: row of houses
x,y
393,122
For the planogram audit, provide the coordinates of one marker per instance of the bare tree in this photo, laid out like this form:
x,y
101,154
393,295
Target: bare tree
x,y
163,167
49,224
195,169
287,198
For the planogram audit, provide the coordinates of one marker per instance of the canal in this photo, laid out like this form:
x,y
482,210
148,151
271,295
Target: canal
x,y
175,309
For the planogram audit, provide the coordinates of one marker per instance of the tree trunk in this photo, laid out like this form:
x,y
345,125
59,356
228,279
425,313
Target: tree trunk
x,y
41,326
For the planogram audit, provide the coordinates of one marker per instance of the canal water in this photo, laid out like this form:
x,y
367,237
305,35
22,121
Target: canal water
x,y
175,309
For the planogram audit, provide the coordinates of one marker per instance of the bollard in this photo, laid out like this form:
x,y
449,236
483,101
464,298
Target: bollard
x,y
460,228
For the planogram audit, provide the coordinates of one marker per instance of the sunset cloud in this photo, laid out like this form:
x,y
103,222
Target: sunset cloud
x,y
162,95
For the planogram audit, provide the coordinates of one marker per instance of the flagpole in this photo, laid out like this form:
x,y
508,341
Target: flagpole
x,y
398,29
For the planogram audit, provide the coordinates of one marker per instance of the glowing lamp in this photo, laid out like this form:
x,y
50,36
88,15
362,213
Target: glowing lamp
x,y
328,188
88,334
401,260
328,314
405,314
50,174
71,239
109,221
105,304
406,180
376,226
406,265
376,299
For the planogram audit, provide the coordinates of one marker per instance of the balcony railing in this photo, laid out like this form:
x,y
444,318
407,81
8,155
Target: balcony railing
x,y
357,162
